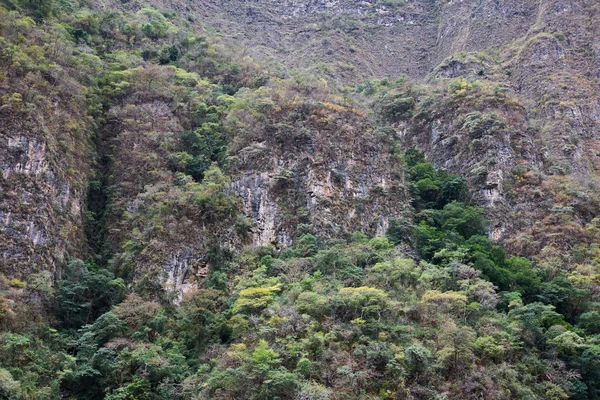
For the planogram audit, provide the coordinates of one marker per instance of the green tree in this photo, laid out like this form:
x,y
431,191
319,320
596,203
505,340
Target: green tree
x,y
84,293
590,322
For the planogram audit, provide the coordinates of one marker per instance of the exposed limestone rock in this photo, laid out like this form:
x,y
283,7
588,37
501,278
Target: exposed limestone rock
x,y
267,215
40,213
184,271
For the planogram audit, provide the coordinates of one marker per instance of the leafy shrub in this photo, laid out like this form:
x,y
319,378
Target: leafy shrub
x,y
361,302
255,298
431,187
479,124
400,230
312,304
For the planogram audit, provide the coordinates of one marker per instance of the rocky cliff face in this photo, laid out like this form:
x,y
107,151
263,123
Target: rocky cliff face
x,y
317,167
361,39
506,95
298,164
543,55
535,64
40,211
348,40
44,152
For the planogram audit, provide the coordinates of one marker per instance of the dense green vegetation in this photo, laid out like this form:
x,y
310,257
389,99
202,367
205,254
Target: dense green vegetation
x,y
434,310
356,317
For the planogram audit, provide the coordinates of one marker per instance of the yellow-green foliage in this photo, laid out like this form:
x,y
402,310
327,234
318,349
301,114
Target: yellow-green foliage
x,y
434,301
182,77
461,87
253,299
363,302
16,283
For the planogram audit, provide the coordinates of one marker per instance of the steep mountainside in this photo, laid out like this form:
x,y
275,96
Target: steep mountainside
x,y
45,148
309,199
535,65
540,60
539,78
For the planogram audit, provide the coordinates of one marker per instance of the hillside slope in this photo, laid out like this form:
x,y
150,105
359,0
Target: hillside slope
x,y
539,59
299,199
